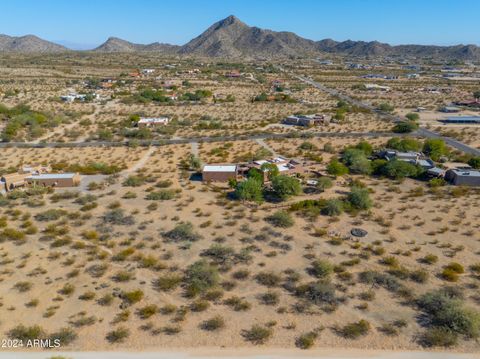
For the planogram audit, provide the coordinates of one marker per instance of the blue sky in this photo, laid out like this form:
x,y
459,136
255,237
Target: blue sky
x,y
90,22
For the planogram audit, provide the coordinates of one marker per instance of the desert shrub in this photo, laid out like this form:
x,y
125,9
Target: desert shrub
x,y
269,298
212,324
429,259
281,219
321,268
320,292
118,335
268,279
306,340
50,215
147,311
449,275
133,181
355,330
23,286
419,276
66,336
455,267
387,281
332,207
445,309
161,195
257,334
182,232
237,304
359,198
167,282
438,337
122,276
200,277
133,296
24,333
199,305
336,168
117,216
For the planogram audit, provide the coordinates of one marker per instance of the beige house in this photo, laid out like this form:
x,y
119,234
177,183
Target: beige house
x,y
54,179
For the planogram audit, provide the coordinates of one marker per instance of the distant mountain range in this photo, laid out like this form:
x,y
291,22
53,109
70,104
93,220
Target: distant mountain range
x,y
231,38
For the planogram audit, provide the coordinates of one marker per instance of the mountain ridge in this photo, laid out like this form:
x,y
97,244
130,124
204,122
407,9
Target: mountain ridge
x,y
232,38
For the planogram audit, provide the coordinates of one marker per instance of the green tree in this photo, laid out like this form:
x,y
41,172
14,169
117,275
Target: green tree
x,y
476,94
271,169
250,190
405,127
285,186
435,148
404,144
385,107
194,163
356,161
365,147
400,169
332,207
256,174
412,116
474,162
336,168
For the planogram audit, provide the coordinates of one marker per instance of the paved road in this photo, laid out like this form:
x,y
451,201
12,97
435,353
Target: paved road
x,y
175,141
420,132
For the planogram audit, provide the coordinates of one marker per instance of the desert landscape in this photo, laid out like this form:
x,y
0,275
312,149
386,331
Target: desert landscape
x,y
296,203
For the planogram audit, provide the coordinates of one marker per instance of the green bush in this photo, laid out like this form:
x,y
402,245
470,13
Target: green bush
x,y
332,207
167,282
359,198
21,332
182,232
321,268
306,340
200,277
285,186
118,335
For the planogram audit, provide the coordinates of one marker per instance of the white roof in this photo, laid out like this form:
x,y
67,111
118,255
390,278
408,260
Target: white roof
x,y
51,176
153,120
282,168
219,168
260,162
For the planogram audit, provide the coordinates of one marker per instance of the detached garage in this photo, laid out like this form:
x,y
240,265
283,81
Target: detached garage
x,y
219,173
55,179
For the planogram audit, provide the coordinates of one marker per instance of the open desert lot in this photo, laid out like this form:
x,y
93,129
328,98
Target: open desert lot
x,y
218,199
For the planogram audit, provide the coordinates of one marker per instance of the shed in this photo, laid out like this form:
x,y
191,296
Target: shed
x,y
463,177
219,173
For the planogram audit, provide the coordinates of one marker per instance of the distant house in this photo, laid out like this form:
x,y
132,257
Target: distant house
x,y
450,109
233,74
415,158
306,120
462,120
463,177
153,122
377,87
148,71
469,103
219,173
11,181
413,76
54,179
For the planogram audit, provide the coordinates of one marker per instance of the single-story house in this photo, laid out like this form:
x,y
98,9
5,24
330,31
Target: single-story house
x,y
153,122
450,109
219,173
54,179
11,181
305,120
462,119
372,87
463,177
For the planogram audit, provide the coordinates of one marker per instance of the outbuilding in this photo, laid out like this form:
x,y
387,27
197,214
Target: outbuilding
x,y
463,177
219,173
54,179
